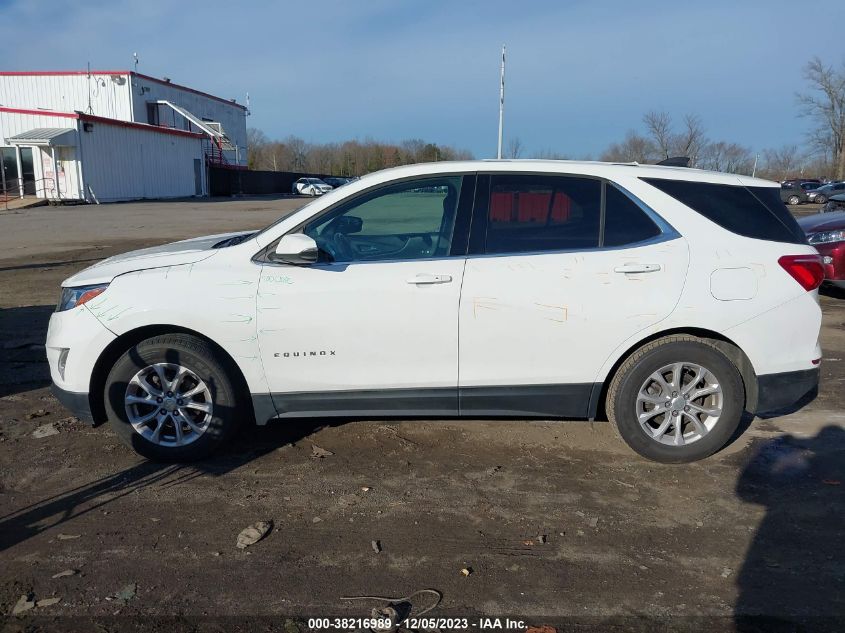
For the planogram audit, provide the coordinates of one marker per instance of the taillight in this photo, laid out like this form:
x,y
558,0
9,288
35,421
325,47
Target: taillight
x,y
807,270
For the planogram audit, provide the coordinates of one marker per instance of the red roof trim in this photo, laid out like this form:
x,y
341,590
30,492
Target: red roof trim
x,y
66,115
106,121
186,89
138,126
60,73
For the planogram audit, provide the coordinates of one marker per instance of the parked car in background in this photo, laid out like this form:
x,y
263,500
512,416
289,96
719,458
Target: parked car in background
x,y
835,203
792,194
337,181
806,184
659,296
310,187
826,232
820,195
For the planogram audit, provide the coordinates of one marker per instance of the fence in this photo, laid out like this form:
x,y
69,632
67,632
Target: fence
x,y
229,182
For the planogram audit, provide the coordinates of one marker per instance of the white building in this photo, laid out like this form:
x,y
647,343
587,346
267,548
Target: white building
x,y
113,135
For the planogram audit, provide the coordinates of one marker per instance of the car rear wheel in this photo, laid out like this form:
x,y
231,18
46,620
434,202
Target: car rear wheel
x,y
793,200
677,399
169,399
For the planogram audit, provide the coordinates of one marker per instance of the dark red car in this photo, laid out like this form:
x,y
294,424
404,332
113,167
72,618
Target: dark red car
x,y
826,231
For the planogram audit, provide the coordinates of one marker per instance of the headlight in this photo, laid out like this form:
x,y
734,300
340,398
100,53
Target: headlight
x,y
72,297
826,237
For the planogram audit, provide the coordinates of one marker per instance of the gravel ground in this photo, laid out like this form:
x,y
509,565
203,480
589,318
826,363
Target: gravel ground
x,y
554,522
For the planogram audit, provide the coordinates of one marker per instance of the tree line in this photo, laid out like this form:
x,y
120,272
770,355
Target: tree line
x,y
660,136
349,158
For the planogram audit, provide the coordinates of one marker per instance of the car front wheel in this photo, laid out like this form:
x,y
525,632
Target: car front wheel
x,y
793,200
820,199
169,399
677,399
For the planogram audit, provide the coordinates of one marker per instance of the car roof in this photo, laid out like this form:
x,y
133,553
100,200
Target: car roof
x,y
823,221
587,168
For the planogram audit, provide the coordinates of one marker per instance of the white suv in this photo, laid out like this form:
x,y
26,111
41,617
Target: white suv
x,y
669,300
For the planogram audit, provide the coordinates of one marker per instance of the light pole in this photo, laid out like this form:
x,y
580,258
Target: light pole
x,y
501,104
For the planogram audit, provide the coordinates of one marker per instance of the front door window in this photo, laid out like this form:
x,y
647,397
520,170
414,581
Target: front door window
x,y
405,221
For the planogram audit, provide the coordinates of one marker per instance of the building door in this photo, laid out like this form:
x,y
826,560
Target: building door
x,y
9,175
27,171
197,177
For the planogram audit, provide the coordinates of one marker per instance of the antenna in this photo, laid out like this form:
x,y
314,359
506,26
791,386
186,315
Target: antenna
x,y
501,104
247,105
135,56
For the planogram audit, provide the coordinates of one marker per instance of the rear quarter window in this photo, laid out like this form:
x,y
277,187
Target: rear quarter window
x,y
755,212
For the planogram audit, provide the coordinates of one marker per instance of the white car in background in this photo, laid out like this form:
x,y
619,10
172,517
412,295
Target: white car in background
x,y
666,299
310,187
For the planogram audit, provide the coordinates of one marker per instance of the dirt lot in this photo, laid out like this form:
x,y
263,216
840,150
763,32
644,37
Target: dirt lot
x,y
559,523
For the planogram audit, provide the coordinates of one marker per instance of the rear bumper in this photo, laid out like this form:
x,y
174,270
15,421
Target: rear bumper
x,y
777,392
76,403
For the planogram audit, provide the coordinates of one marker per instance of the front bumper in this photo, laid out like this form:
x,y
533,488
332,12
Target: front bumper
x,y
76,403
779,392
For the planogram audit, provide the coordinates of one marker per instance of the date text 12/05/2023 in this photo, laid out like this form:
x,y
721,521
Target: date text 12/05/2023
x,y
483,624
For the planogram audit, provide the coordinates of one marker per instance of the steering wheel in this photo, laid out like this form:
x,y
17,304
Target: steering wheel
x,y
341,248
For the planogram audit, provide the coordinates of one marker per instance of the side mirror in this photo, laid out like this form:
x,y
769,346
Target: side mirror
x,y
349,224
297,248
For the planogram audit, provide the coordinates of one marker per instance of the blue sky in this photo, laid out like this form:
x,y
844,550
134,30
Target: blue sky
x,y
580,74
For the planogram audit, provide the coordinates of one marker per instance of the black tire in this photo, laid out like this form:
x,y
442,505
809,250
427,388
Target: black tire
x,y
622,397
820,199
199,357
793,200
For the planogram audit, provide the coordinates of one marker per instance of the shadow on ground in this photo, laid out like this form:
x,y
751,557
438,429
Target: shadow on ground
x,y
23,361
254,442
794,572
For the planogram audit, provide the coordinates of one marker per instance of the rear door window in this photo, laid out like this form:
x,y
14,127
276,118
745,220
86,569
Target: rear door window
x,y
755,212
625,222
529,213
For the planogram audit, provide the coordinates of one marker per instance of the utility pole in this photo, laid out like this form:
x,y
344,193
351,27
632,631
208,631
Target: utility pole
x,y
501,104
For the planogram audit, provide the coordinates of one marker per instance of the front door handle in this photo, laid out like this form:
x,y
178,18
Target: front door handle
x,y
426,278
637,268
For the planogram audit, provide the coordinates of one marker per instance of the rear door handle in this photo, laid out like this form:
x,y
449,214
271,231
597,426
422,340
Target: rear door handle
x,y
426,278
637,268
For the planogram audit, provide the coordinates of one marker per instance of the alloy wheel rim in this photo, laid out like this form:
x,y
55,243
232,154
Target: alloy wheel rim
x,y
679,404
168,404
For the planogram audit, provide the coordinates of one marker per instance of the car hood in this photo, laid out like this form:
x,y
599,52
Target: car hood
x,y
823,222
173,254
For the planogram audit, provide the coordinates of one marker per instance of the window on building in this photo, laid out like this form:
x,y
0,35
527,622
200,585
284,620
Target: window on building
x,y
153,114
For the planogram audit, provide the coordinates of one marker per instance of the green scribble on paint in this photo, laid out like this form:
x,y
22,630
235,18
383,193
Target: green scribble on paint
x,y
244,318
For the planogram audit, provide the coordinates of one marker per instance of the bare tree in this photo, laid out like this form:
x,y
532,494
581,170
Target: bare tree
x,y
549,154
691,140
350,158
727,157
659,126
514,148
825,104
256,142
635,148
781,163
